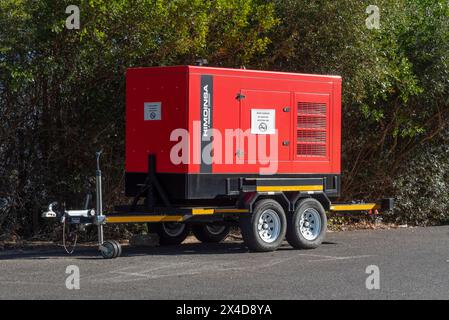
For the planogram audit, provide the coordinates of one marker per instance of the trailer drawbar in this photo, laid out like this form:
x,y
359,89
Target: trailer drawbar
x,y
211,148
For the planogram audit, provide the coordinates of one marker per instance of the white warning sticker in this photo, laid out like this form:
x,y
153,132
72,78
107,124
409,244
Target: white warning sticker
x,y
263,121
152,111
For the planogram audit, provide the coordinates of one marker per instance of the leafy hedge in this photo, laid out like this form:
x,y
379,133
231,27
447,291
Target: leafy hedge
x,y
62,91
423,188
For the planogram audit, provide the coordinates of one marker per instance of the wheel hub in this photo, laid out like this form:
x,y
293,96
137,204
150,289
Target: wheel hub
x,y
310,224
215,229
269,226
173,229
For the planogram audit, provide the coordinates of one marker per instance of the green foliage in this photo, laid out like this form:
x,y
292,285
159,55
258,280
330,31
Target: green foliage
x,y
422,189
62,91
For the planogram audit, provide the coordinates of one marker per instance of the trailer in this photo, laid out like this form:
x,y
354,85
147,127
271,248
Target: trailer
x,y
211,148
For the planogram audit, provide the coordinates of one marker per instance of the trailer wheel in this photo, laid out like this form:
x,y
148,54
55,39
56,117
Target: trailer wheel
x,y
170,233
307,226
265,229
210,233
110,249
119,247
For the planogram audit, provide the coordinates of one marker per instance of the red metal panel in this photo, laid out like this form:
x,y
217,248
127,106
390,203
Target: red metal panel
x,y
266,100
230,82
167,86
336,127
178,89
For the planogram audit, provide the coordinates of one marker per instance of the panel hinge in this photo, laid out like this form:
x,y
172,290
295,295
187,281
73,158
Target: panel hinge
x,y
240,96
240,153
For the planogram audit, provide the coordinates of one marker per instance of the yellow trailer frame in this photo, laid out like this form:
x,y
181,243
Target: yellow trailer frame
x,y
184,214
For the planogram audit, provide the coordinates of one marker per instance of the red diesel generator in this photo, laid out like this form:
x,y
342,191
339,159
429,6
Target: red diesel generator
x,y
209,148
304,109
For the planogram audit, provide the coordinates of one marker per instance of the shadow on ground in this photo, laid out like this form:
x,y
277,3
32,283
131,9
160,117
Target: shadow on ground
x,y
91,252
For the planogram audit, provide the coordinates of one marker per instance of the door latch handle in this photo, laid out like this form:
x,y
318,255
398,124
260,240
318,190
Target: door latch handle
x,y
286,143
286,109
240,153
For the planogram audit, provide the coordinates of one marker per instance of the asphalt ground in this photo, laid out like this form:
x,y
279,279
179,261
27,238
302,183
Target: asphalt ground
x,y
412,264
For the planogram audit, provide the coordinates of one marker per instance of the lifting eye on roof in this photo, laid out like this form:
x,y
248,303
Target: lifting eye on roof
x,y
202,62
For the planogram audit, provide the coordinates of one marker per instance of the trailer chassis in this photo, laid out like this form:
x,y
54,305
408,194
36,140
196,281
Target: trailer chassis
x,y
289,193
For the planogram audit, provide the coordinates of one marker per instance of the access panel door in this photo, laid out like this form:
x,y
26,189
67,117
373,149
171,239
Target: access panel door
x,y
265,117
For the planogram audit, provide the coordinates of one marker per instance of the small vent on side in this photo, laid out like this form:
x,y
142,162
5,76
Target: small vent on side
x,y
311,136
311,150
309,108
312,130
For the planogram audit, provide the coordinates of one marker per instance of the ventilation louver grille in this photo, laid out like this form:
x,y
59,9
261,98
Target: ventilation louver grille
x,y
312,129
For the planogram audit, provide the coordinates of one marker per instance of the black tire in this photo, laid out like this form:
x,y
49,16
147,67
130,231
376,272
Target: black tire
x,y
249,226
210,233
307,239
168,233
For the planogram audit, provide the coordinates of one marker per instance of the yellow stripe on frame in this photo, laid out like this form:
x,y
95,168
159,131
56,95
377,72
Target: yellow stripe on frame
x,y
355,207
203,211
143,219
288,188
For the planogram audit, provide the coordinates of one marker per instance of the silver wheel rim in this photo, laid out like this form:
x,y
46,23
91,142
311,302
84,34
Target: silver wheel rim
x,y
310,224
107,250
173,229
215,229
269,226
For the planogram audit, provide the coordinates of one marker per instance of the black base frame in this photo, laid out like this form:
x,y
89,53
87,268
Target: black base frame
x,y
201,188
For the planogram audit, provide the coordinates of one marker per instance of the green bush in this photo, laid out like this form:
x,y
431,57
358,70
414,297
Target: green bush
x,y
422,196
62,92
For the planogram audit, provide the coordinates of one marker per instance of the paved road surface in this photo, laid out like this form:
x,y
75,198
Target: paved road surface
x,y
413,263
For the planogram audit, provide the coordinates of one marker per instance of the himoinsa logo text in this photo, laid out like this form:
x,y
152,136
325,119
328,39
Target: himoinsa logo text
x,y
207,90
